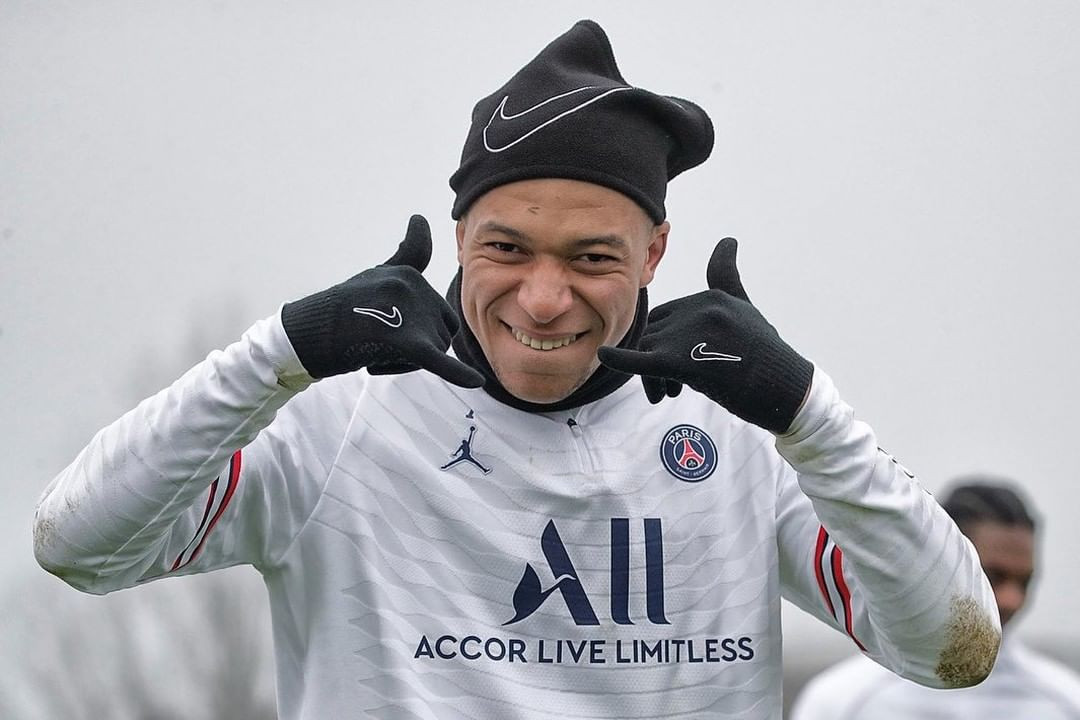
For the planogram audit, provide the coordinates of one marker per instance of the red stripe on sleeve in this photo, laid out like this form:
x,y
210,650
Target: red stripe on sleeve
x,y
819,552
202,523
845,594
234,480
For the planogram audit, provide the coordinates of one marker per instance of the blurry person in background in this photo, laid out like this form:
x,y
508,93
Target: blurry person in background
x,y
1023,684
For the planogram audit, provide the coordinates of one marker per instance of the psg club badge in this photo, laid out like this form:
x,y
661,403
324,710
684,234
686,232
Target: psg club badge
x,y
688,453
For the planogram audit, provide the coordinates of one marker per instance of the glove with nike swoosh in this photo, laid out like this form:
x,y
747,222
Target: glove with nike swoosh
x,y
387,319
718,343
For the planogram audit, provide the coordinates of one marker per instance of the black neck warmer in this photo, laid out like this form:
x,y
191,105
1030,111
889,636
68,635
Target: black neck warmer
x,y
602,382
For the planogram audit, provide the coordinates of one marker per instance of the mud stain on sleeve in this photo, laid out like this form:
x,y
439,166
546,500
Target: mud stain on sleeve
x,y
44,530
971,645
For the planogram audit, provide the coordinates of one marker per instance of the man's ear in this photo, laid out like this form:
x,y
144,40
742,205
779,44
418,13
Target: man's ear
x,y
459,231
654,253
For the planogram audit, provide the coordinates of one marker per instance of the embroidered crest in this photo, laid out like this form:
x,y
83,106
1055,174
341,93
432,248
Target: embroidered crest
x,y
688,453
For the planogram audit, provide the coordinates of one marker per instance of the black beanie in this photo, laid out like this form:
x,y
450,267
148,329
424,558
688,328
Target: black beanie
x,y
569,114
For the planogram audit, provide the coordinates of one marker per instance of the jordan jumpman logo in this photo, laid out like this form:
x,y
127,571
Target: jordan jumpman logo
x,y
464,454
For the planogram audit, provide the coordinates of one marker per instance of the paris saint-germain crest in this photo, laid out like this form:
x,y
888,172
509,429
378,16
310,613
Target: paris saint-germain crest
x,y
688,453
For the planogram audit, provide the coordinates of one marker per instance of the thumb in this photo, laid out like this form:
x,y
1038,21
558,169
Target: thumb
x,y
415,249
722,273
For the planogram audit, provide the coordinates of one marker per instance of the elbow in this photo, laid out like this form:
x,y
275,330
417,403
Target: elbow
x,y
45,535
53,557
972,639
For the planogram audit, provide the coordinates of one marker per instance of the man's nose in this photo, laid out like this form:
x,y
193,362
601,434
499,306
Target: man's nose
x,y
545,292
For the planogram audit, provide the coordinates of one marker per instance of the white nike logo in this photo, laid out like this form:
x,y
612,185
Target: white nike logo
x,y
699,353
503,124
393,318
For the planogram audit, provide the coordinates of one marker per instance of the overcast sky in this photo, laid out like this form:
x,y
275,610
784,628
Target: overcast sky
x,y
902,176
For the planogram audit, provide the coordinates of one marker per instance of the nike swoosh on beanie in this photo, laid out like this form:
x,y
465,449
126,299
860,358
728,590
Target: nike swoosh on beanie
x,y
515,127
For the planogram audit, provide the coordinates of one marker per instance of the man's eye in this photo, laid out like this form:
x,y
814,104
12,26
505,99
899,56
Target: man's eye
x,y
594,258
503,247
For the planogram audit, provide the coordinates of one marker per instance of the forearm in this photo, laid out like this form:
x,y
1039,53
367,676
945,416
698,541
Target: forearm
x,y
102,520
922,594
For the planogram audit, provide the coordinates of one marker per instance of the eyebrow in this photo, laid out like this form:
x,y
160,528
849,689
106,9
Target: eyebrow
x,y
492,226
613,241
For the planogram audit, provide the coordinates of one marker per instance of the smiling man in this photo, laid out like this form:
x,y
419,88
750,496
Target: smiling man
x,y
587,510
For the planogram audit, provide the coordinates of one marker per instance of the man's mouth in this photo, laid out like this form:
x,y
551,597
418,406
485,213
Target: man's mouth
x,y
546,344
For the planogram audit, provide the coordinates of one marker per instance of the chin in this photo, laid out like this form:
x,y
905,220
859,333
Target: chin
x,y
543,390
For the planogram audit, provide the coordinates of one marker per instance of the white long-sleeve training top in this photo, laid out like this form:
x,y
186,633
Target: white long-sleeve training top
x,y
432,553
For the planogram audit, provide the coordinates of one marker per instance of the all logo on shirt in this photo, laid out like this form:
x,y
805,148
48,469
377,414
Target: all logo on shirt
x,y
688,453
530,595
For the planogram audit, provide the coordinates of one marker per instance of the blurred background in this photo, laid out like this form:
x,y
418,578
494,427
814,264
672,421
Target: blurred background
x,y
902,176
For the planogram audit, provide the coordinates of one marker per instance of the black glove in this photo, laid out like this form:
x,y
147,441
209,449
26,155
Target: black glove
x,y
387,319
720,345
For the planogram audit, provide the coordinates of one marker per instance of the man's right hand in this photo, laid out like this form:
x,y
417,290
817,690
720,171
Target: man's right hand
x,y
387,319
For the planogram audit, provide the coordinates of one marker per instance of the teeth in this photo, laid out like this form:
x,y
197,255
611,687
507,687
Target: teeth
x,y
543,344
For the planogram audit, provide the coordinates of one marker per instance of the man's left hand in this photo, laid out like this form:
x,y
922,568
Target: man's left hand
x,y
718,343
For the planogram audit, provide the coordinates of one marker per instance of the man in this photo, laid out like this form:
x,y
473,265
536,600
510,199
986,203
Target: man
x,y
518,530
1023,683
